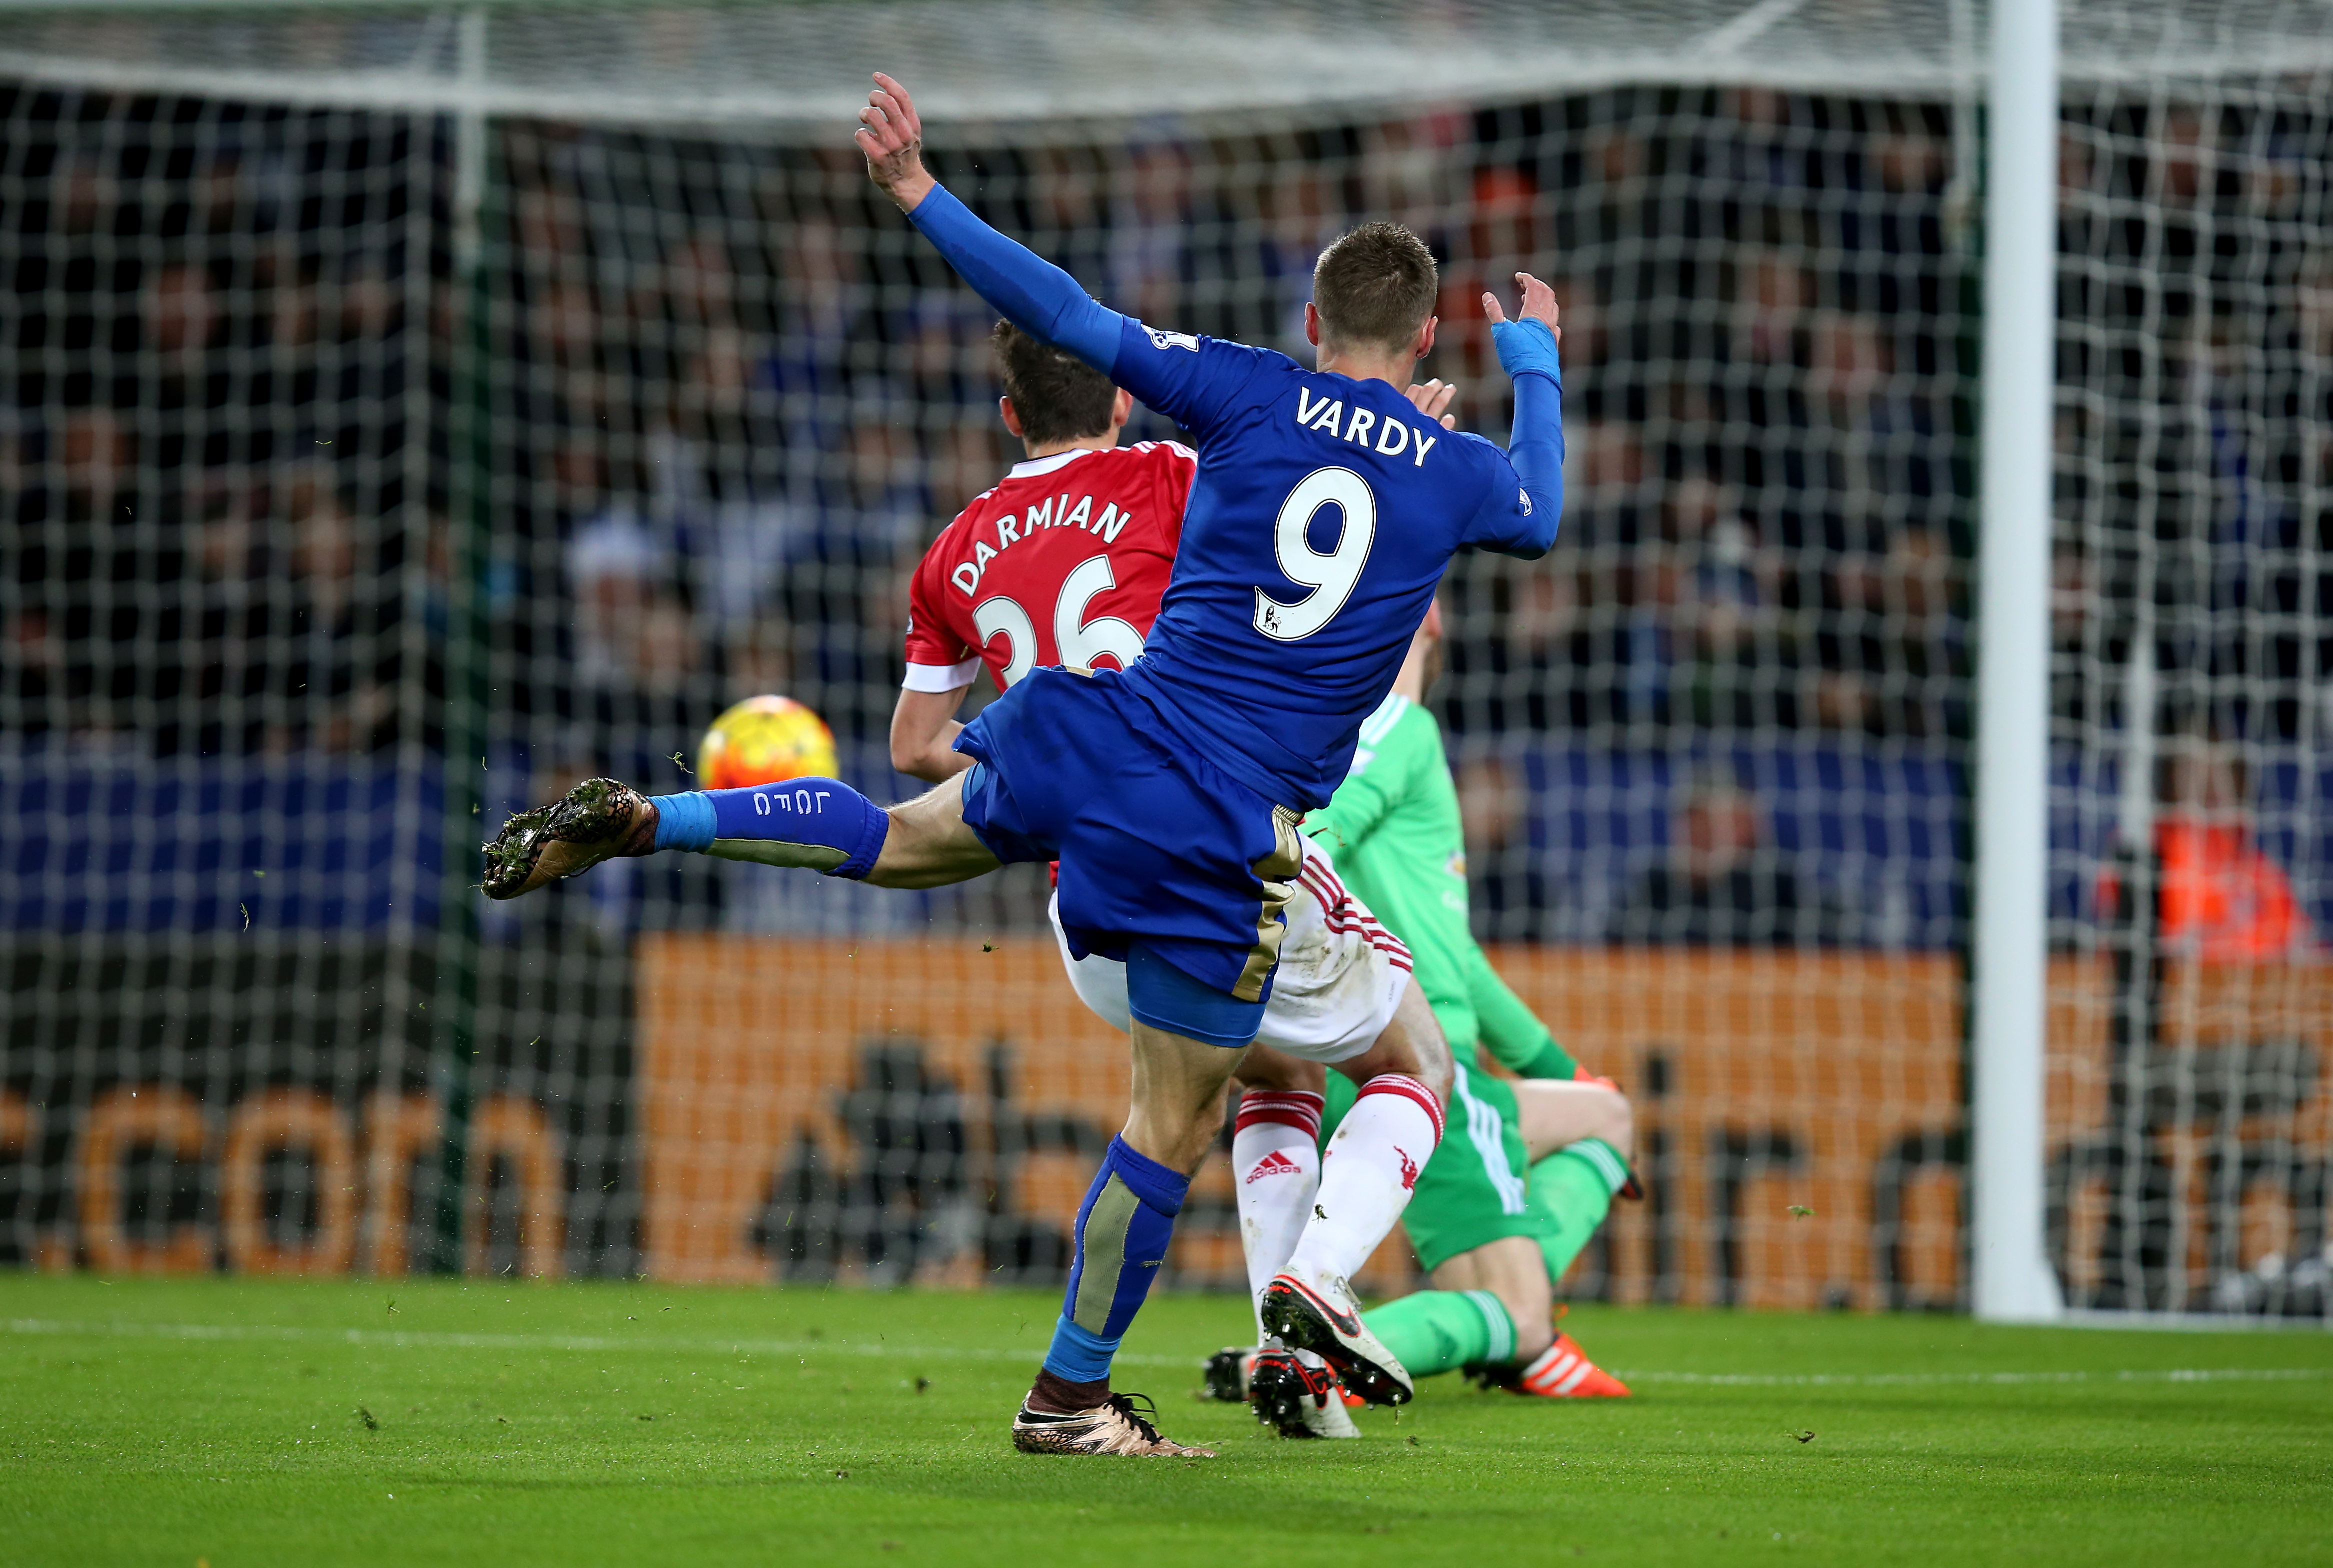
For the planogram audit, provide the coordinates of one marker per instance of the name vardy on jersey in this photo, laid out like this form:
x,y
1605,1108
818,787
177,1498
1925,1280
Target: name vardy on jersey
x,y
1010,530
1393,437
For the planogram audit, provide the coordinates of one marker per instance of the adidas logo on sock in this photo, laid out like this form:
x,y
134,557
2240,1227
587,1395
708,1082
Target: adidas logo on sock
x,y
1274,1164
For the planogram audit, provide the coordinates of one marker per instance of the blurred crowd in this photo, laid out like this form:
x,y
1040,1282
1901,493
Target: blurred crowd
x,y
693,418
754,398
212,420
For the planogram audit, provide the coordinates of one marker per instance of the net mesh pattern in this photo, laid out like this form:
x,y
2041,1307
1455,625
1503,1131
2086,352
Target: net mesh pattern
x,y
2190,703
344,525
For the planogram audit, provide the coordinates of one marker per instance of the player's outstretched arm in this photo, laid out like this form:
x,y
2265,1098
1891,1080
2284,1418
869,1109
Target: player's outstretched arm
x,y
1023,287
1528,351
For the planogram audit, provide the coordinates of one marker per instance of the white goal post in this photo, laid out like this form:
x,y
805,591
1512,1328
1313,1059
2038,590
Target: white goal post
x,y
2012,1281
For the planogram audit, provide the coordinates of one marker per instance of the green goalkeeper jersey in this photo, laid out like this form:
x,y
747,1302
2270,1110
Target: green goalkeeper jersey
x,y
1393,831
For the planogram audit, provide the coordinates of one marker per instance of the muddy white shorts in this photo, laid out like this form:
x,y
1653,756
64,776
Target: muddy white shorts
x,y
1341,974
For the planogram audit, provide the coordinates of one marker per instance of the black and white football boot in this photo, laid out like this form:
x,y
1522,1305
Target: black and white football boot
x,y
1293,1392
1318,1313
1226,1373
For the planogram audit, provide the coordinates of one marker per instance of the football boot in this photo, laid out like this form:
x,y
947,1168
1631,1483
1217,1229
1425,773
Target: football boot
x,y
1561,1371
1113,1428
596,820
1227,1372
1314,1313
1293,1392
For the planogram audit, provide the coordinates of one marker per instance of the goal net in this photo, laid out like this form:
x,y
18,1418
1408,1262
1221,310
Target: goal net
x,y
409,412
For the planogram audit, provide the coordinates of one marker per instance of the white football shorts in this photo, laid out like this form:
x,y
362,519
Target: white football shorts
x,y
1342,973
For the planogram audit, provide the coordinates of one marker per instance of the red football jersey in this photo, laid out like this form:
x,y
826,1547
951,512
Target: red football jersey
x,y
1063,563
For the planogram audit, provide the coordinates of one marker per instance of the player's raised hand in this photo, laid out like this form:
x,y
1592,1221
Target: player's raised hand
x,y
1538,305
1532,344
891,135
1431,397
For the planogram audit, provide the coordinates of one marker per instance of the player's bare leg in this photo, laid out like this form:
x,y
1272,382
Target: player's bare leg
x,y
1177,1102
1580,1138
928,846
920,842
1512,1270
1122,1232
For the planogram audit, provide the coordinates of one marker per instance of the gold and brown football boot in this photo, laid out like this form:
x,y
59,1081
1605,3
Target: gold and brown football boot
x,y
1114,1428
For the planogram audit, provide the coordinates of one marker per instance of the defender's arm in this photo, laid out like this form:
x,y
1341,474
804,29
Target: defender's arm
x,y
924,729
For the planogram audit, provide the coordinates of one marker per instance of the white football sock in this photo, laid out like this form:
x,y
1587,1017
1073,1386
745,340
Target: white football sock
x,y
1276,1161
1367,1175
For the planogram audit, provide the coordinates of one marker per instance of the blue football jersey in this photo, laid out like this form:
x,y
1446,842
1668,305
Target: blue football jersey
x,y
1323,515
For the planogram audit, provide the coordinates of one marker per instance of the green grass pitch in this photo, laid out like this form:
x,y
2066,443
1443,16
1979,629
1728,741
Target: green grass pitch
x,y
236,1423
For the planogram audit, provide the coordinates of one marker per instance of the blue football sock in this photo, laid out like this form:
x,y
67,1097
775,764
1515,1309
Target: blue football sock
x,y
819,823
1123,1228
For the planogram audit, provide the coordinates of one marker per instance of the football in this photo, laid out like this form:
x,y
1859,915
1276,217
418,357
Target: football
x,y
764,740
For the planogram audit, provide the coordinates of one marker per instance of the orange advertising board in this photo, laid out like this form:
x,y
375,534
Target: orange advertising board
x,y
1766,1085
759,1058
932,1111
2222,1128
1796,1117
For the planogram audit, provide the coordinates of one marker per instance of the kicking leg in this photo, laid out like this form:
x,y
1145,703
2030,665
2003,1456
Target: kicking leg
x,y
815,824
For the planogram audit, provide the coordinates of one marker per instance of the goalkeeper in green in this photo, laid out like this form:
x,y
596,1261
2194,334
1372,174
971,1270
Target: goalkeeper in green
x,y
1528,1169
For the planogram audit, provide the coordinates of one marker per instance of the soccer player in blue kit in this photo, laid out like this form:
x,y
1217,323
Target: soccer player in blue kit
x,y
1323,514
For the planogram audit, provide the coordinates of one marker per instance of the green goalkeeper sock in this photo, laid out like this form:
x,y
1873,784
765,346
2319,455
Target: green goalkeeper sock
x,y
1571,1193
1438,1331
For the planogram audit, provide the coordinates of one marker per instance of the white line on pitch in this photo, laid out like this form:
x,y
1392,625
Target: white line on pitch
x,y
428,1339
1912,1380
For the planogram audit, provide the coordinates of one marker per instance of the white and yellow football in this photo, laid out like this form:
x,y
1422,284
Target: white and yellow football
x,y
764,740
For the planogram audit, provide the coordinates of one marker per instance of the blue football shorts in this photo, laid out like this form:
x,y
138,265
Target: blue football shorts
x,y
1164,858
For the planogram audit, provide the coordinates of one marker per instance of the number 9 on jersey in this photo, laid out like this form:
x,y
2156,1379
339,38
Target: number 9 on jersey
x,y
1330,577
